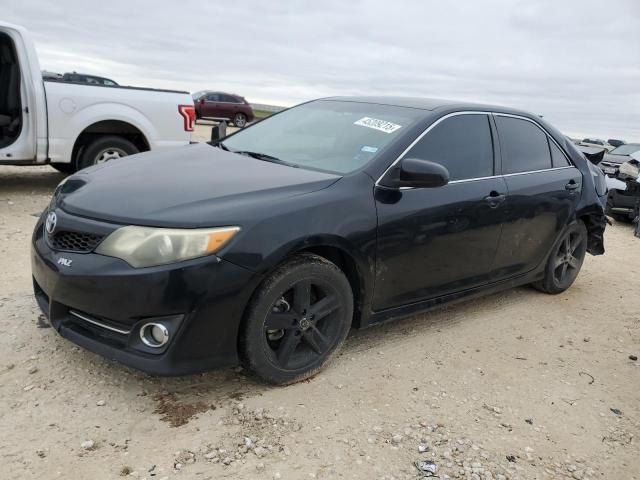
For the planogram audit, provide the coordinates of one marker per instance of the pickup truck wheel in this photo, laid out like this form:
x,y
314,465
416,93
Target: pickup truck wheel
x,y
297,320
104,149
240,120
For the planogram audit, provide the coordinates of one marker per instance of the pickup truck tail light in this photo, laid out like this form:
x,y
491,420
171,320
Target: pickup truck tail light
x,y
188,113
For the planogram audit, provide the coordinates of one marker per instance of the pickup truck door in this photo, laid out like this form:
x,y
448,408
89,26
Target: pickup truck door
x,y
23,121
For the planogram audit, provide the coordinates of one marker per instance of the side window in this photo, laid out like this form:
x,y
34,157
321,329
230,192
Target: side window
x,y
213,97
461,143
228,98
524,145
557,157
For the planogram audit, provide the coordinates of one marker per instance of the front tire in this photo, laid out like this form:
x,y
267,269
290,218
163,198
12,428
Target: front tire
x,y
240,120
565,260
106,148
296,321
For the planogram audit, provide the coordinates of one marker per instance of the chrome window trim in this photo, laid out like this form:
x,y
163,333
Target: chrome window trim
x,y
464,180
477,112
537,171
98,324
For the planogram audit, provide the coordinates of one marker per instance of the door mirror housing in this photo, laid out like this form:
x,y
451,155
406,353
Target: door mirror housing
x,y
417,173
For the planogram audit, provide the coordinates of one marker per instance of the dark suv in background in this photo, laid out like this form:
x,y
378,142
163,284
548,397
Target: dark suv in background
x,y
223,106
90,79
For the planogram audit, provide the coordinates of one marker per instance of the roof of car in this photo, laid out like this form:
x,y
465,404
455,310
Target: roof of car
x,y
425,103
204,92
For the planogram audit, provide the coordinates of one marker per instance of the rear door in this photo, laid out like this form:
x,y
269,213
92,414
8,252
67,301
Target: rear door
x,y
211,106
23,133
229,105
543,189
436,241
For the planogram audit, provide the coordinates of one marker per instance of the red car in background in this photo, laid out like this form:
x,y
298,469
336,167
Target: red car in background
x,y
223,106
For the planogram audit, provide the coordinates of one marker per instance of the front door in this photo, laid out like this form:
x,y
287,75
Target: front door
x,y
18,92
436,241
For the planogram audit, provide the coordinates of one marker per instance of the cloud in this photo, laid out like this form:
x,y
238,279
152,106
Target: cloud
x,y
575,62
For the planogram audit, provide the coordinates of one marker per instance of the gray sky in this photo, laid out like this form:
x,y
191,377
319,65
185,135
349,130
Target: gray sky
x,y
577,62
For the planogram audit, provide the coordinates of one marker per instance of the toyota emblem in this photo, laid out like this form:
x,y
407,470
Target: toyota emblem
x,y
50,223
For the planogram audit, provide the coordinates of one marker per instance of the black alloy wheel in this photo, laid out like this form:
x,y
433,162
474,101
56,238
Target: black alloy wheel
x,y
566,264
565,260
299,317
300,329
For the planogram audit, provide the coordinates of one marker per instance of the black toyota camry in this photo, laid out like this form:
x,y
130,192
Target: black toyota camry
x,y
266,247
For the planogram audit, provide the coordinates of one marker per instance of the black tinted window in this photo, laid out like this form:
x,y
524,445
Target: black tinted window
x,y
462,144
213,97
229,98
557,157
524,146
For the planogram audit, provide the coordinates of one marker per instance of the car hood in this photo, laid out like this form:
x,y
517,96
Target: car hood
x,y
616,158
192,186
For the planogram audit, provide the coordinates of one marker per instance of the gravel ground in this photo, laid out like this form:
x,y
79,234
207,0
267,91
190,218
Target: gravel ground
x,y
514,385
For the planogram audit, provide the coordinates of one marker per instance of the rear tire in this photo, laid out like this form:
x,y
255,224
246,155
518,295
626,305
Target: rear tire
x,y
240,120
106,148
565,260
296,321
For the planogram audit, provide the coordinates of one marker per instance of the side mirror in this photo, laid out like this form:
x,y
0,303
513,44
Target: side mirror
x,y
218,131
418,173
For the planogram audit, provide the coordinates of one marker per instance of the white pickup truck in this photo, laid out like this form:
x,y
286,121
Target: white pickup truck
x,y
74,125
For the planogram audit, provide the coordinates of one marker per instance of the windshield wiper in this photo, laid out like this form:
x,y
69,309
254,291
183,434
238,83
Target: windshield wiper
x,y
221,145
266,157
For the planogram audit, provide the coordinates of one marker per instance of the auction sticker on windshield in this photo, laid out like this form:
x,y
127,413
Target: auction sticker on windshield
x,y
382,125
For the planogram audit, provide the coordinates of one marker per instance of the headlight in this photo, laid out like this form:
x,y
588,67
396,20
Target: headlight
x,y
146,247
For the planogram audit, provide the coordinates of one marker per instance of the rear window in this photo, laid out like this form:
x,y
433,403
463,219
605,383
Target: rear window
x,y
557,157
524,146
228,98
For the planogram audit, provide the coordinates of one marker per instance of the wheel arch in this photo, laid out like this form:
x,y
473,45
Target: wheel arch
x,y
349,266
109,127
595,224
357,270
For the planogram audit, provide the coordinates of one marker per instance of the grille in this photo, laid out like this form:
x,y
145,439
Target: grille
x,y
75,241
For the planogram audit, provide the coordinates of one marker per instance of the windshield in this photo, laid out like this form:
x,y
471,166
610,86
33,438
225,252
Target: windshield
x,y
625,149
326,135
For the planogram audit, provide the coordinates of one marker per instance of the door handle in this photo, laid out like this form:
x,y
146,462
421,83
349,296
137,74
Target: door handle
x,y
495,199
571,186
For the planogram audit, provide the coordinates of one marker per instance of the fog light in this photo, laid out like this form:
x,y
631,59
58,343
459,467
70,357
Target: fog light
x,y
154,335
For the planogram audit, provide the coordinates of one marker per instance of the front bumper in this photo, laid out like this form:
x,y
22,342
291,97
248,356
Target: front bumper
x,y
101,302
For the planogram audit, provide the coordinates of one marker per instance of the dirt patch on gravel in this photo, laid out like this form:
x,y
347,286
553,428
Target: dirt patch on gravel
x,y
175,412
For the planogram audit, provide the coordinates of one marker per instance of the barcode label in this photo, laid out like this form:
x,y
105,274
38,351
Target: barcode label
x,y
382,125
